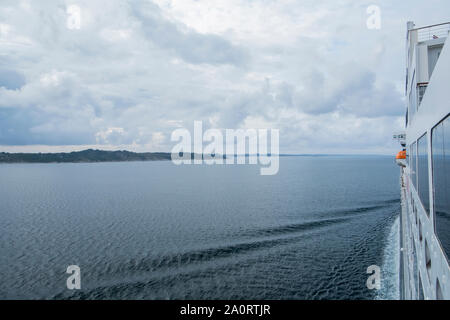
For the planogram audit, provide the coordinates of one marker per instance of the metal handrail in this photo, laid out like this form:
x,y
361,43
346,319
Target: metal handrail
x,y
435,31
431,26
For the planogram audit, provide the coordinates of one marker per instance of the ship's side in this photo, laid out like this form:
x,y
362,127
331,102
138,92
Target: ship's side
x,y
425,173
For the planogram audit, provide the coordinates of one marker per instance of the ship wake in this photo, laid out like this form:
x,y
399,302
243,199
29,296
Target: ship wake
x,y
390,270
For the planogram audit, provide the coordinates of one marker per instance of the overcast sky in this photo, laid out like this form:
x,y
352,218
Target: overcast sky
x,y
136,70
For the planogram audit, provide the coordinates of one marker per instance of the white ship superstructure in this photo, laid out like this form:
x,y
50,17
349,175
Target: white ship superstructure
x,y
425,169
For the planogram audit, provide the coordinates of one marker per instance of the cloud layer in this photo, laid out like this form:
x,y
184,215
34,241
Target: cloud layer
x,y
136,70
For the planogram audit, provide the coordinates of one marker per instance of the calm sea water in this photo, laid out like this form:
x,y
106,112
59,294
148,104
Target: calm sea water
x,y
152,230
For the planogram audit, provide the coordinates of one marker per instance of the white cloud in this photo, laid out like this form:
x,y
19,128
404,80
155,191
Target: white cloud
x,y
110,135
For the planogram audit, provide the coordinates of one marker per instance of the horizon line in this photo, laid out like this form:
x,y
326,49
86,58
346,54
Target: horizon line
x,y
234,155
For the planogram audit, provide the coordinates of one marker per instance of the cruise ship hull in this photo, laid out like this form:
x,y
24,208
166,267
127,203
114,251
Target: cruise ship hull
x,y
424,242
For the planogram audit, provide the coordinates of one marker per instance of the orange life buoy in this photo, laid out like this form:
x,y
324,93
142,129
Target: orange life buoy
x,y
401,155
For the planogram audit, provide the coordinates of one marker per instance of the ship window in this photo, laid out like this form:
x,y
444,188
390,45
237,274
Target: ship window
x,y
412,98
441,182
421,92
422,172
409,156
420,232
428,259
413,165
415,214
407,122
415,268
433,56
439,295
421,295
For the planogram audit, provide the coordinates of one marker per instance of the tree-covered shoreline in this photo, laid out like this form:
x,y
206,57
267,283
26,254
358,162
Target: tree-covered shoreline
x,y
82,156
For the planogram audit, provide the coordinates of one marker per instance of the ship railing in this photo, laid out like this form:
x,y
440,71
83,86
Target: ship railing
x,y
436,31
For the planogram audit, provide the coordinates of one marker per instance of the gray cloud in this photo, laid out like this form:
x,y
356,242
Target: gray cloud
x,y
185,43
135,71
11,80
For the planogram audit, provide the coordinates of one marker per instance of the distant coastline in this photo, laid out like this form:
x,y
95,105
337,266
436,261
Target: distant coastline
x,y
84,156
90,155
